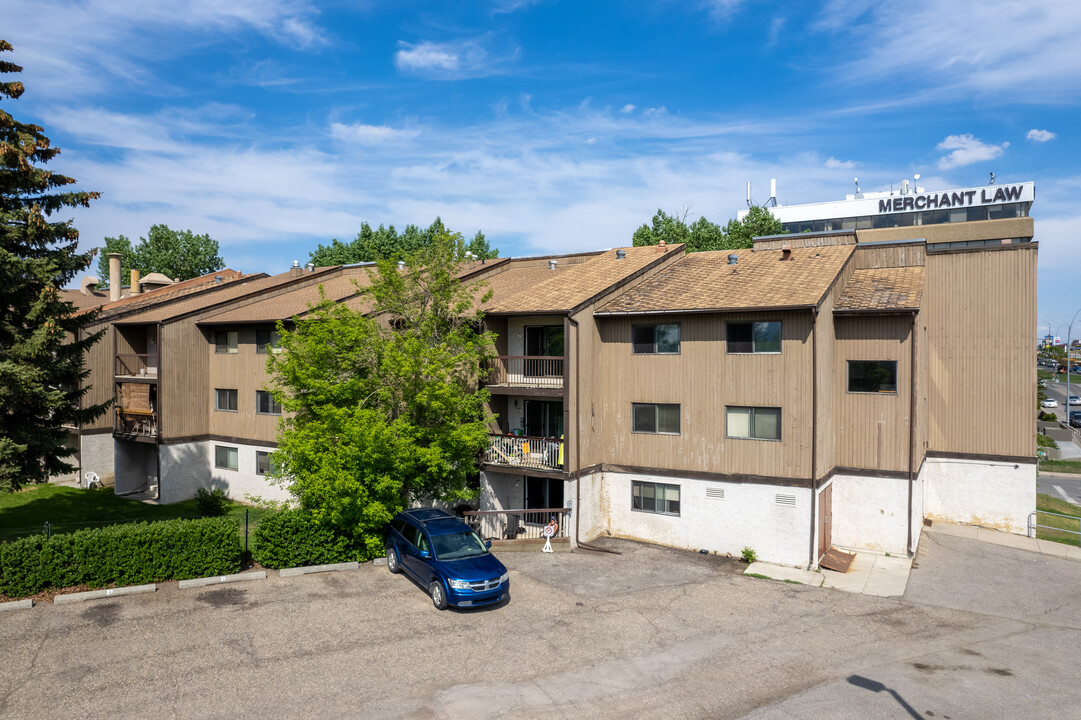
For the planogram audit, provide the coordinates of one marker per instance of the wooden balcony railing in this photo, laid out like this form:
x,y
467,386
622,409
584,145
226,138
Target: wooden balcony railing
x,y
516,524
137,365
526,370
524,451
143,423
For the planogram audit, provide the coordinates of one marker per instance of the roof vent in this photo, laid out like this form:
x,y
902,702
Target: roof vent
x,y
310,267
469,255
733,259
296,263
217,278
786,252
620,254
552,264
401,264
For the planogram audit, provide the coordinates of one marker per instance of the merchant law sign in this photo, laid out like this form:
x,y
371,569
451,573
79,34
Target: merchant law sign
x,y
990,195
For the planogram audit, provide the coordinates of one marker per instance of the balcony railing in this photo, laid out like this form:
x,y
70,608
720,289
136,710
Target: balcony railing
x,y
143,423
524,451
526,371
137,365
516,524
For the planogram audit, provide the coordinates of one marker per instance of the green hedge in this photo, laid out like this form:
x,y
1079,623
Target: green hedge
x,y
129,554
292,538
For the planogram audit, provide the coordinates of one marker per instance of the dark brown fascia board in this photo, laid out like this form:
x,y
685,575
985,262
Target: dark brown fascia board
x,y
931,250
532,471
819,233
326,272
136,308
219,438
1009,459
518,313
703,475
879,311
702,311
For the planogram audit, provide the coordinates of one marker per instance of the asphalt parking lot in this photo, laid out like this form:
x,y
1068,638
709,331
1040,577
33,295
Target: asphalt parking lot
x,y
649,633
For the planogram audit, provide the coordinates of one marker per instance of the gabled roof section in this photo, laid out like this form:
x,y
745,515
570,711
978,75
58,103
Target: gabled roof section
x,y
285,305
170,293
882,290
533,290
759,280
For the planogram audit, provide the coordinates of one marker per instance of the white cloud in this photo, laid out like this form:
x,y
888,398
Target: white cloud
x,y
835,164
453,60
1040,136
775,27
721,10
370,134
967,150
627,109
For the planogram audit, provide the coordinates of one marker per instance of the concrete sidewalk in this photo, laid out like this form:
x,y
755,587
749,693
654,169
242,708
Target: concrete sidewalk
x,y
995,537
871,573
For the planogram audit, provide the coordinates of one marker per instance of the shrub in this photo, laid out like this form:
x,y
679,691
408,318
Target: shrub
x,y
129,554
1045,441
1048,417
211,503
293,538
749,555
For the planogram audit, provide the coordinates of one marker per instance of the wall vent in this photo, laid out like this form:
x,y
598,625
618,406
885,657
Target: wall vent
x,y
715,493
786,500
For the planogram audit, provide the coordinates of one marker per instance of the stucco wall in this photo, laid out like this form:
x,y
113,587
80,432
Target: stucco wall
x,y
748,515
97,456
997,494
186,467
871,513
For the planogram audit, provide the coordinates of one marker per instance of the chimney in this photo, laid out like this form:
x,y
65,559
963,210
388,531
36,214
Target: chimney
x,y
662,246
786,252
114,276
295,270
733,259
136,287
620,254
552,264
88,285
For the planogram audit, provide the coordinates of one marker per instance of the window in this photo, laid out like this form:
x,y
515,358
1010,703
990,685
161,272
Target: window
x,y
754,337
225,400
872,376
655,339
758,423
265,404
225,341
263,338
655,497
544,418
225,457
655,418
544,341
263,466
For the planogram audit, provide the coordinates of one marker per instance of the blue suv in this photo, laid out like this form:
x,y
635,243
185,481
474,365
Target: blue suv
x,y
445,556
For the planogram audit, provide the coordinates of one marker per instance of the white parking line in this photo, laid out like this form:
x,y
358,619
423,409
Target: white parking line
x,y
1064,496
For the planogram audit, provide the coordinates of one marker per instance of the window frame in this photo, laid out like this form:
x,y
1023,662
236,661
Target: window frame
x,y
269,464
217,400
780,425
231,344
227,448
656,418
274,341
639,484
679,338
896,378
259,394
753,351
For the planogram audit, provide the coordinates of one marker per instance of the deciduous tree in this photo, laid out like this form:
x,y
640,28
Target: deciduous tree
x,y
704,235
385,243
42,342
174,253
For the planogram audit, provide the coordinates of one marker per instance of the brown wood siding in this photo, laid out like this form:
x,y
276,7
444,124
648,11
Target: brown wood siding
x,y
981,328
872,430
99,361
800,240
953,232
245,372
889,256
703,379
182,381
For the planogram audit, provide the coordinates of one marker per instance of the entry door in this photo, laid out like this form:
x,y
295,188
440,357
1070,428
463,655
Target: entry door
x,y
542,493
825,520
543,418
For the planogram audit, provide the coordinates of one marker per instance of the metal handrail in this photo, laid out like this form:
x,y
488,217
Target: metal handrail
x,y
526,370
524,451
1032,524
136,364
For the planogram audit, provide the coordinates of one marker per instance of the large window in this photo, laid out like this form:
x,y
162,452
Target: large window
x,y
872,376
225,341
754,337
544,418
655,339
225,457
544,341
758,423
265,404
655,418
265,338
225,400
655,497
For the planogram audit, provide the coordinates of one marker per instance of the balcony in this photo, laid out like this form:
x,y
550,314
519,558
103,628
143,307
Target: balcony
x,y
137,366
526,371
522,451
137,424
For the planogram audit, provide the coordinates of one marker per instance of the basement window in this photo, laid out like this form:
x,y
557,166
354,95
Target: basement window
x,y
872,376
753,337
655,497
225,458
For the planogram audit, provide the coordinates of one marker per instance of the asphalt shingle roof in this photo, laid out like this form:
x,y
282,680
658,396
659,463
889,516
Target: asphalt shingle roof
x,y
883,289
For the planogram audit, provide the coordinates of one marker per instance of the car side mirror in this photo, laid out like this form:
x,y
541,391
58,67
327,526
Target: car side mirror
x,y
425,554
488,544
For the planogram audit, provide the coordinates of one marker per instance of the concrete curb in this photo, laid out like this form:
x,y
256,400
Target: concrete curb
x,y
380,560
108,592
16,604
306,569
239,577
778,572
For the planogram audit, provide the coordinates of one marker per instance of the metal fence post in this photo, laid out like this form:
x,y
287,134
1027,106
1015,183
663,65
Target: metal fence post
x,y
246,537
48,530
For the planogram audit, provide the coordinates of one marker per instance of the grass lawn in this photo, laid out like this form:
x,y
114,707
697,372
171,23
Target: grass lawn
x,y
1063,466
67,509
1047,504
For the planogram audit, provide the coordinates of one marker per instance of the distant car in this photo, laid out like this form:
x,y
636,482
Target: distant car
x,y
446,557
1042,383
1049,403
1075,418
1074,400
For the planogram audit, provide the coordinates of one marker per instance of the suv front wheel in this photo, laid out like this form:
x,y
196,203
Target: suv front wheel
x,y
439,595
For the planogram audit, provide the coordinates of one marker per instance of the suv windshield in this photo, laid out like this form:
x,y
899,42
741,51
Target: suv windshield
x,y
458,545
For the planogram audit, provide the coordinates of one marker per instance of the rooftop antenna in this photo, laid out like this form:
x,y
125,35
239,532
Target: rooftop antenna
x,y
992,180
858,193
916,177
750,203
772,192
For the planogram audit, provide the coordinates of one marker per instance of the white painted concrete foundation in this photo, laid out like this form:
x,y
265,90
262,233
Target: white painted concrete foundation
x,y
992,494
871,513
186,467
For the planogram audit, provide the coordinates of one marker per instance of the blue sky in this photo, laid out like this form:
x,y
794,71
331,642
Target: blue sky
x,y
552,126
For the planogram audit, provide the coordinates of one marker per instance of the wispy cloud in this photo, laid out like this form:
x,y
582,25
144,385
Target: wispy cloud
x,y
835,164
966,150
1040,136
453,60
370,134
721,10
628,108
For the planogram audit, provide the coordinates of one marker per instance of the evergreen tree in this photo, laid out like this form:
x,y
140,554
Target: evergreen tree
x,y
41,340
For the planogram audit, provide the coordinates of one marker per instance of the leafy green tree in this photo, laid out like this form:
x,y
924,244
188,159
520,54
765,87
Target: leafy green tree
x,y
41,343
704,235
385,243
383,408
173,253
